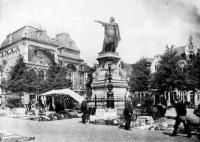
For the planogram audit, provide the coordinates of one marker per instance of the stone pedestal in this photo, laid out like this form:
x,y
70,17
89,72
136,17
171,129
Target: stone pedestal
x,y
100,77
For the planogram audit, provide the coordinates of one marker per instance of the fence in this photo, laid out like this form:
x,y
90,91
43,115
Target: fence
x,y
119,103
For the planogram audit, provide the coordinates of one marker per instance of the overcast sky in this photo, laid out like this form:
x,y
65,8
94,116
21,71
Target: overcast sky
x,y
146,26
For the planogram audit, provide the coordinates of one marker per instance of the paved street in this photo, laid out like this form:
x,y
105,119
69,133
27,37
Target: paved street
x,y
72,130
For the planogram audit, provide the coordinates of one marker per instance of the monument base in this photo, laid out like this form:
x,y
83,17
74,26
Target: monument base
x,y
109,71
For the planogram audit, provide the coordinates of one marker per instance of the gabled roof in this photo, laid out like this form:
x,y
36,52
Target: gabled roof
x,y
150,60
28,32
128,68
64,41
180,50
86,68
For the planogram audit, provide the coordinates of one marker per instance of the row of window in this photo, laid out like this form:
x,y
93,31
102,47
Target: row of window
x,y
9,52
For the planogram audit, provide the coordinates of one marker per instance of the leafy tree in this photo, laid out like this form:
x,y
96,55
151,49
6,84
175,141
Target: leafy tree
x,y
16,76
20,79
57,78
140,76
168,75
32,82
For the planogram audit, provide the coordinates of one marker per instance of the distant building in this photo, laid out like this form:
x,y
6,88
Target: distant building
x,y
186,52
155,63
39,49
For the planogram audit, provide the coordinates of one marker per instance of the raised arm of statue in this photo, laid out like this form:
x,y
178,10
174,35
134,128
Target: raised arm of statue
x,y
102,23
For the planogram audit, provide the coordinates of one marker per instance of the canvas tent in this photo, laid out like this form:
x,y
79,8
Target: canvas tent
x,y
68,92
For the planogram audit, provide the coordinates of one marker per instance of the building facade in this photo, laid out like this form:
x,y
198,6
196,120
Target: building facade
x,y
39,49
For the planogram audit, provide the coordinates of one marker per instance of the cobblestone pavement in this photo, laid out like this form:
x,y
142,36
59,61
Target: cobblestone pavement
x,y
72,130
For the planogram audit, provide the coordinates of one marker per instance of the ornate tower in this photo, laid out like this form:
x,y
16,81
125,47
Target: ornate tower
x,y
191,49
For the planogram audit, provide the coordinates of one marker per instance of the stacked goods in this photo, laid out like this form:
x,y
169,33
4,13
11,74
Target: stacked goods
x,y
42,115
49,116
143,122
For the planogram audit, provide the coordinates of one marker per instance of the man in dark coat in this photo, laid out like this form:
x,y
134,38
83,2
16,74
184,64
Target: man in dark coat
x,y
128,112
181,111
85,111
29,105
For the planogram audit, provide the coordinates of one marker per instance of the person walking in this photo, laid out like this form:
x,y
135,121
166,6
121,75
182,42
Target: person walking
x,y
29,105
181,112
84,110
128,112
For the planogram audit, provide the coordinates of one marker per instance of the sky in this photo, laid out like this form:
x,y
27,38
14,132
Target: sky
x,y
146,26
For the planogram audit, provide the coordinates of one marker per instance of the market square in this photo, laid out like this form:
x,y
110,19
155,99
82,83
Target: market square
x,y
128,73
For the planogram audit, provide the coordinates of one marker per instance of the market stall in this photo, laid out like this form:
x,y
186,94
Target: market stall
x,y
57,104
68,92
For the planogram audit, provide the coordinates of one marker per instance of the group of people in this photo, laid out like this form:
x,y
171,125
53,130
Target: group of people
x,y
181,117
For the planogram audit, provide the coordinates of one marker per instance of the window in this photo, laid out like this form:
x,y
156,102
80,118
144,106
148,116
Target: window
x,y
183,55
41,74
191,56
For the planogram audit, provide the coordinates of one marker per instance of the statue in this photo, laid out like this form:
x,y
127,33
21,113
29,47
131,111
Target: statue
x,y
112,35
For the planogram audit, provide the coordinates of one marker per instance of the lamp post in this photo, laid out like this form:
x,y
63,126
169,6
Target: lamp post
x,y
110,93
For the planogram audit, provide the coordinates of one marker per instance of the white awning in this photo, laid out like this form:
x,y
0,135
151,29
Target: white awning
x,y
68,92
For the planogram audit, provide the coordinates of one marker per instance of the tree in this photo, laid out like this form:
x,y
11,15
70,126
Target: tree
x,y
168,75
57,78
32,82
16,76
140,76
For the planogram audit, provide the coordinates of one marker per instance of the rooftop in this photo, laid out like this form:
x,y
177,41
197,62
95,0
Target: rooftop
x,y
35,33
28,32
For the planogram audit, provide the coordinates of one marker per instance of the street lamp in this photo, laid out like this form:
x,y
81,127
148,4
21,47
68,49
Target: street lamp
x,y
110,93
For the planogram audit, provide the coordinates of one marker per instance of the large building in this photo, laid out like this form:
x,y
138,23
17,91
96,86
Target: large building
x,y
39,49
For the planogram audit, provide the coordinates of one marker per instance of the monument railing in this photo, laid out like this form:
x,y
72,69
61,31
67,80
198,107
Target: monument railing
x,y
102,102
119,102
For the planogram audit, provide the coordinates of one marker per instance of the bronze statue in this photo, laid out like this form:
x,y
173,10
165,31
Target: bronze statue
x,y
112,35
